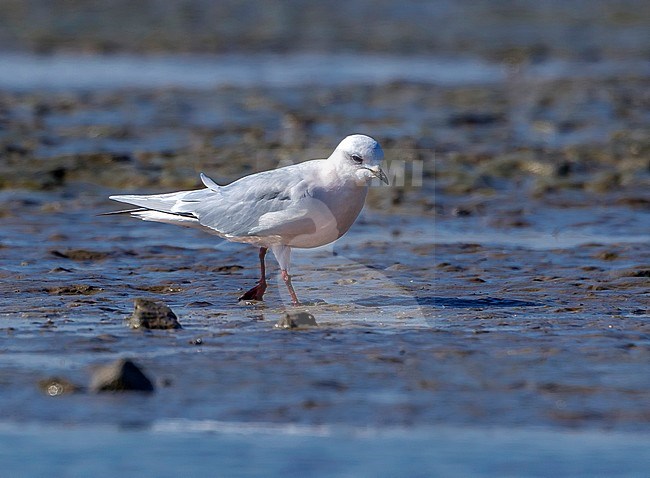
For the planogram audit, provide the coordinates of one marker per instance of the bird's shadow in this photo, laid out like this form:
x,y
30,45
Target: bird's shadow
x,y
446,302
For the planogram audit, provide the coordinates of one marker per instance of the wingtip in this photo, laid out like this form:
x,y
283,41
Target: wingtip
x,y
208,183
126,211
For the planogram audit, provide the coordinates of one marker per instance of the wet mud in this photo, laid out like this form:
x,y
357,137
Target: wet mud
x,y
411,331
502,279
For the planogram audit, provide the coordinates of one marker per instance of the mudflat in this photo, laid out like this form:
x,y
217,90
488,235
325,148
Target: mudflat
x,y
500,283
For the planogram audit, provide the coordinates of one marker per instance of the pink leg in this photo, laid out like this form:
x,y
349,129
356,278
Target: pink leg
x,y
287,280
257,292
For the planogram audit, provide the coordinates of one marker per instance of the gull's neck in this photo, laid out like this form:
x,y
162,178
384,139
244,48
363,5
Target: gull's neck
x,y
340,170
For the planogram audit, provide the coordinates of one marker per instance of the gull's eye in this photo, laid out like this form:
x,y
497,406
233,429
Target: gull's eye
x,y
357,159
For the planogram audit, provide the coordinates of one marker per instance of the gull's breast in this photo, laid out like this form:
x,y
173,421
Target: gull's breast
x,y
331,212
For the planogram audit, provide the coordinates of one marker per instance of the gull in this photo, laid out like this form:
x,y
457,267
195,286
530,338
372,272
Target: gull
x,y
303,205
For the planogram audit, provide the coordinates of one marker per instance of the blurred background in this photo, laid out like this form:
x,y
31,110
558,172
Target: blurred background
x,y
502,30
148,93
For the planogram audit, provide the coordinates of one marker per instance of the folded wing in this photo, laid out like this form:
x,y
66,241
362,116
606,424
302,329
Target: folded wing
x,y
265,204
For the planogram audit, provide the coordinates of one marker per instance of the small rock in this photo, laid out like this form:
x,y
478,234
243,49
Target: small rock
x,y
397,267
607,255
151,314
74,289
228,269
294,320
330,384
55,386
641,273
120,376
200,303
475,119
346,281
81,254
461,212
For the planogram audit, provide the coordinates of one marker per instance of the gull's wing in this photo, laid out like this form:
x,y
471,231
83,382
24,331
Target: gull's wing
x,y
273,205
270,203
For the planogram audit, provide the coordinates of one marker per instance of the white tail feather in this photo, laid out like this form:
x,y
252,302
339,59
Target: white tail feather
x,y
159,202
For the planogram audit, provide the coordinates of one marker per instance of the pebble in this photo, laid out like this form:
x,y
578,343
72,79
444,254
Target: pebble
x,y
74,289
151,314
121,376
80,254
296,319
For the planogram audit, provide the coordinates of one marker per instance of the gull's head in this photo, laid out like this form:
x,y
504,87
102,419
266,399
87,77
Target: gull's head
x,y
361,156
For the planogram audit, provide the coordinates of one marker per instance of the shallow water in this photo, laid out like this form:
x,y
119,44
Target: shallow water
x,y
199,448
446,331
21,72
487,316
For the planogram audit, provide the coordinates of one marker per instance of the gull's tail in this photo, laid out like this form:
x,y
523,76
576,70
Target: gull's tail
x,y
155,202
172,208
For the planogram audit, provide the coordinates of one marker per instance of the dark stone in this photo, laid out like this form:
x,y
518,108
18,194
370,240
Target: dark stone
x,y
121,158
331,385
296,319
564,169
75,289
475,119
200,303
16,149
228,269
151,314
58,175
641,273
607,255
81,255
120,376
461,212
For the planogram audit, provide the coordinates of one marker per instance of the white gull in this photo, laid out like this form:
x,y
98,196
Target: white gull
x,y
304,205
